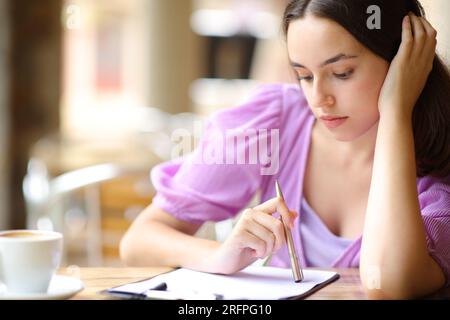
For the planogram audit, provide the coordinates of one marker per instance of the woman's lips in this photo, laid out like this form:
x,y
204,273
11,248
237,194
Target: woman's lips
x,y
332,123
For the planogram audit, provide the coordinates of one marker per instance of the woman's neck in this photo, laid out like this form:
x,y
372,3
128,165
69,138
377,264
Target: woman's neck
x,y
349,154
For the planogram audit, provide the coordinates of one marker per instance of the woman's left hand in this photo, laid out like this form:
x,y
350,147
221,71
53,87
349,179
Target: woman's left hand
x,y
410,68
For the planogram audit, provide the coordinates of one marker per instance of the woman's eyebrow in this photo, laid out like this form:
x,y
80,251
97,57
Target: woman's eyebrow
x,y
340,56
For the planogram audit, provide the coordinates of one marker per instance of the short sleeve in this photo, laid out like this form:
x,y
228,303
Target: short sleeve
x,y
196,189
434,199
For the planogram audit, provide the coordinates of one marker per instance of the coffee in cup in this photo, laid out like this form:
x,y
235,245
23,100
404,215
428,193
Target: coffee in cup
x,y
21,234
29,259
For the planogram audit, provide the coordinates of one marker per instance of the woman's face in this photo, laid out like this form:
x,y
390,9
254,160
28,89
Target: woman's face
x,y
348,86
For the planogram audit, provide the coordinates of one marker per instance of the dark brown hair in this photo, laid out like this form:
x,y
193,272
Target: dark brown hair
x,y
431,114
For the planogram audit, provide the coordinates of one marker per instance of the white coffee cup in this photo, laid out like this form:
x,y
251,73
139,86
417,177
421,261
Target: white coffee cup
x,y
29,259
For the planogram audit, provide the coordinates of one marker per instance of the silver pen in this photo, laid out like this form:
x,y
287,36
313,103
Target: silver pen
x,y
295,265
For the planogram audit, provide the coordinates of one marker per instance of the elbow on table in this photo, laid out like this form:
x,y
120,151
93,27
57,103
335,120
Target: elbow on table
x,y
388,289
379,286
393,294
404,288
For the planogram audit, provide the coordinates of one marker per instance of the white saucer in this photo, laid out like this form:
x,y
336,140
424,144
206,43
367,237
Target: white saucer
x,y
61,287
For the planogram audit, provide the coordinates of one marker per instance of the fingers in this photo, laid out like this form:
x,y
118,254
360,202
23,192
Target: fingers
x,y
423,37
286,215
275,226
431,32
269,207
431,41
418,31
419,35
278,205
267,237
266,228
249,240
407,38
263,232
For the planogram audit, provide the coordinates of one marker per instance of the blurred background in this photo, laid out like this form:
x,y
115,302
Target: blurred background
x,y
91,91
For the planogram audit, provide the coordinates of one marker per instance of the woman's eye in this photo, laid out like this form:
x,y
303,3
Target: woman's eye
x,y
307,79
344,75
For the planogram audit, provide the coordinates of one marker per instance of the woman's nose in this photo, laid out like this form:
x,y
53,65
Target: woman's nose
x,y
321,97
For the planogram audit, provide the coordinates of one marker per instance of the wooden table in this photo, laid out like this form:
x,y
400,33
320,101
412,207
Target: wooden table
x,y
347,287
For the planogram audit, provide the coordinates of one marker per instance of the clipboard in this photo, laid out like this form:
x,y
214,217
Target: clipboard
x,y
252,283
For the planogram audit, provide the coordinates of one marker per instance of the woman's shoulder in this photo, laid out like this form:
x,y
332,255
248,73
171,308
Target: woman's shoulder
x,y
268,106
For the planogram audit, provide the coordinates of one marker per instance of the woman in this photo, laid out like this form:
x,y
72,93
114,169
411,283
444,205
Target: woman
x,y
371,187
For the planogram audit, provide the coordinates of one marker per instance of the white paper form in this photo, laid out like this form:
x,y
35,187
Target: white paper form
x,y
254,283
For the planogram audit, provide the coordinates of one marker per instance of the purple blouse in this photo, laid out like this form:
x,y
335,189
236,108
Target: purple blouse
x,y
197,190
321,247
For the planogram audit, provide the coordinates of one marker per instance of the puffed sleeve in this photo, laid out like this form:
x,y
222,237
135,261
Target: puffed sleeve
x,y
199,188
434,199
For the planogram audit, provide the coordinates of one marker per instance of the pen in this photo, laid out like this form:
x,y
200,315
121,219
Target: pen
x,y
296,269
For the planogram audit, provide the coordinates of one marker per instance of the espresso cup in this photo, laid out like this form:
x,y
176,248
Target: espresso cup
x,y
29,259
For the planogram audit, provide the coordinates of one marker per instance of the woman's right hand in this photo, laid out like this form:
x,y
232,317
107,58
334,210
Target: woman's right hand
x,y
256,235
